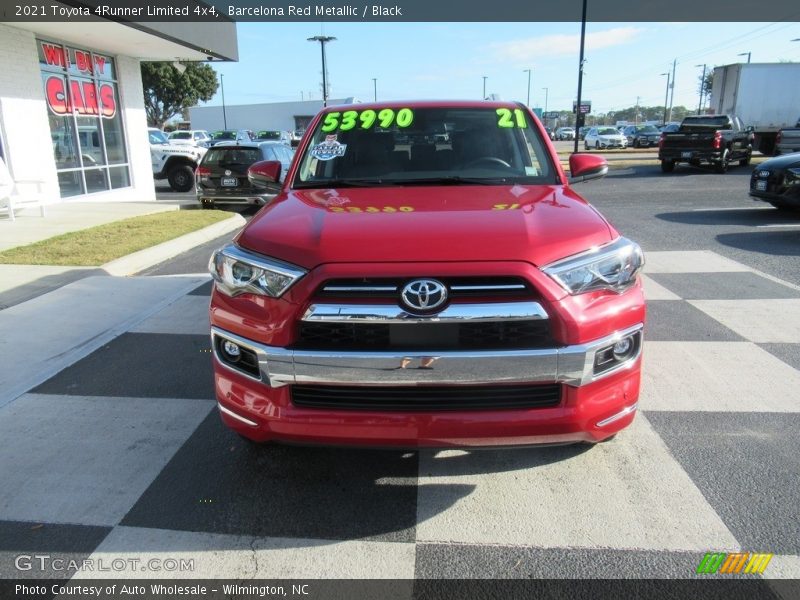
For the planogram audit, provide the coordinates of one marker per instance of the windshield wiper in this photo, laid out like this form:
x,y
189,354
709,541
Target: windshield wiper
x,y
452,180
341,183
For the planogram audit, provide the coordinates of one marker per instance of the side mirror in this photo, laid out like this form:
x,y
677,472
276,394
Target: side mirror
x,y
583,167
265,174
750,129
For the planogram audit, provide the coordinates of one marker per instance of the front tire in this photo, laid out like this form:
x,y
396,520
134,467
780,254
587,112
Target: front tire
x,y
181,178
667,166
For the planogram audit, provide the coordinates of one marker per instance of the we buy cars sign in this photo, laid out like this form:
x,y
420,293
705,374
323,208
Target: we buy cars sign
x,y
83,96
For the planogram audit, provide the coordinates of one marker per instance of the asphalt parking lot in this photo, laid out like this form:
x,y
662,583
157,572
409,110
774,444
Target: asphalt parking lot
x,y
128,457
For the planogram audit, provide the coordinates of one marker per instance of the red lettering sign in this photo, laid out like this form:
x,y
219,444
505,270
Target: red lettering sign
x,y
83,98
56,95
54,55
108,102
83,60
99,65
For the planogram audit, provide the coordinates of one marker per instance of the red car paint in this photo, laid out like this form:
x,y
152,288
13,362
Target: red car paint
x,y
436,231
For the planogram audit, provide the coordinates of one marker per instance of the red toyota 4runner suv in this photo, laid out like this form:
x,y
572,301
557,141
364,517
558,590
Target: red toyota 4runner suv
x,y
427,277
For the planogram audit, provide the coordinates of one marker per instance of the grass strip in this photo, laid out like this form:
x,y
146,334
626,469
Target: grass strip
x,y
98,245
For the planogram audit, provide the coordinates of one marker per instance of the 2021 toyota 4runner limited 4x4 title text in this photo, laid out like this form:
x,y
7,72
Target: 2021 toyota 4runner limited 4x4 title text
x,y
408,288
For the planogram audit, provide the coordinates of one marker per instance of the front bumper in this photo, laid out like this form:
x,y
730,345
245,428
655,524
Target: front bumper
x,y
574,365
593,406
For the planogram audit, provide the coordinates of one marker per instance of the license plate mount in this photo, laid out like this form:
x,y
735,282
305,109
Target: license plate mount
x,y
229,182
761,186
686,155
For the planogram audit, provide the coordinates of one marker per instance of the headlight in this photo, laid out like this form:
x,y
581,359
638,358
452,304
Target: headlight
x,y
238,271
610,267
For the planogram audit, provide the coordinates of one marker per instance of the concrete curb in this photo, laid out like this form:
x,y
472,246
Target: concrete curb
x,y
138,261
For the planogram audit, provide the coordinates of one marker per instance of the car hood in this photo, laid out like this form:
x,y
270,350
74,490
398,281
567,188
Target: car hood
x,y
612,136
537,224
781,162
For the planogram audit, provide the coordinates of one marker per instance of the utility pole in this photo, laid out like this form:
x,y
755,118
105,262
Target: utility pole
x,y
375,87
580,78
323,39
484,87
528,71
546,91
666,96
636,116
672,88
224,115
702,89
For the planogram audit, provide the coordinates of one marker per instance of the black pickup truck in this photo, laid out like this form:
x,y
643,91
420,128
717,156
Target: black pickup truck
x,y
717,140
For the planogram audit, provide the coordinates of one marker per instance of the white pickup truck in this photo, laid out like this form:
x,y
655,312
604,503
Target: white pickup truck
x,y
174,162
788,140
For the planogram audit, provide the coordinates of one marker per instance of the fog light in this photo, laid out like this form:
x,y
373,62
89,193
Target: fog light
x,y
231,351
623,348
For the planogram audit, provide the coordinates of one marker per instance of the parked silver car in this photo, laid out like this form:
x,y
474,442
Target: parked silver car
x,y
565,133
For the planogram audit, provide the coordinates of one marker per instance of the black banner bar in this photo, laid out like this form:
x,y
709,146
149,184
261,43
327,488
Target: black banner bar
x,y
400,10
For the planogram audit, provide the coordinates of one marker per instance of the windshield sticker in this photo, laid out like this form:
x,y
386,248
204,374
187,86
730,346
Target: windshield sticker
x,y
329,149
366,119
508,118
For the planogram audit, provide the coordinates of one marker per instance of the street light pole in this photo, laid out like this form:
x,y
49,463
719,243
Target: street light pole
x,y
375,87
666,97
702,89
546,91
580,77
484,86
222,88
323,39
528,71
747,54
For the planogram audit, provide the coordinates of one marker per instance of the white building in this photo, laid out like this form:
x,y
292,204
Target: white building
x,y
277,116
71,102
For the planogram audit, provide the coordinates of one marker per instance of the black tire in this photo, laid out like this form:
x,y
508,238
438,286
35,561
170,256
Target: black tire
x,y
637,143
586,146
667,166
722,165
745,161
767,145
181,178
597,146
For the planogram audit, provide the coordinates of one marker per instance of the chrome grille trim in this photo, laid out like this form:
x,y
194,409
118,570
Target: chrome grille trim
x,y
384,313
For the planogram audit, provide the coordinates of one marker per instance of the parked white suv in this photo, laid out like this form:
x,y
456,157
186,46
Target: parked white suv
x,y
174,162
194,137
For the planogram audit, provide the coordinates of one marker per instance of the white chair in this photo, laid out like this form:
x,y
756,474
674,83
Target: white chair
x,y
17,194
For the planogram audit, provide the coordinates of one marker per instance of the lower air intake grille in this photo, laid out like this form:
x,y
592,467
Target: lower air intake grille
x,y
430,398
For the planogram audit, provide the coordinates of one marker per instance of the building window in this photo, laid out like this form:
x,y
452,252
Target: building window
x,y
82,95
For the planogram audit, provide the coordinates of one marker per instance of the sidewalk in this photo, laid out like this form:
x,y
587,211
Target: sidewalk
x,y
22,283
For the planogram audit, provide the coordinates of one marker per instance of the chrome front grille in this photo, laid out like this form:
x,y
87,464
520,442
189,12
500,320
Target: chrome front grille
x,y
422,336
458,287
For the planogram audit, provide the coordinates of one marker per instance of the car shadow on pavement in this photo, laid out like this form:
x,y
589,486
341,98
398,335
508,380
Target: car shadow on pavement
x,y
747,217
220,483
775,243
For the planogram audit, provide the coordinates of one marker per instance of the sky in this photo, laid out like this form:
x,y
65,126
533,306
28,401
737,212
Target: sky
x,y
449,60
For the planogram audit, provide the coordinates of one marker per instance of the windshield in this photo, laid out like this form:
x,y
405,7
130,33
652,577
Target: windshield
x,y
231,156
647,129
408,146
158,137
717,122
180,135
224,135
607,131
268,135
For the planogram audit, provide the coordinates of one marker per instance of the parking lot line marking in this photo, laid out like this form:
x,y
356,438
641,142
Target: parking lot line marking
x,y
780,225
733,208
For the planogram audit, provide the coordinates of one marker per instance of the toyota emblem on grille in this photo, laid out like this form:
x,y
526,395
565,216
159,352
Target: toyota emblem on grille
x,y
424,294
